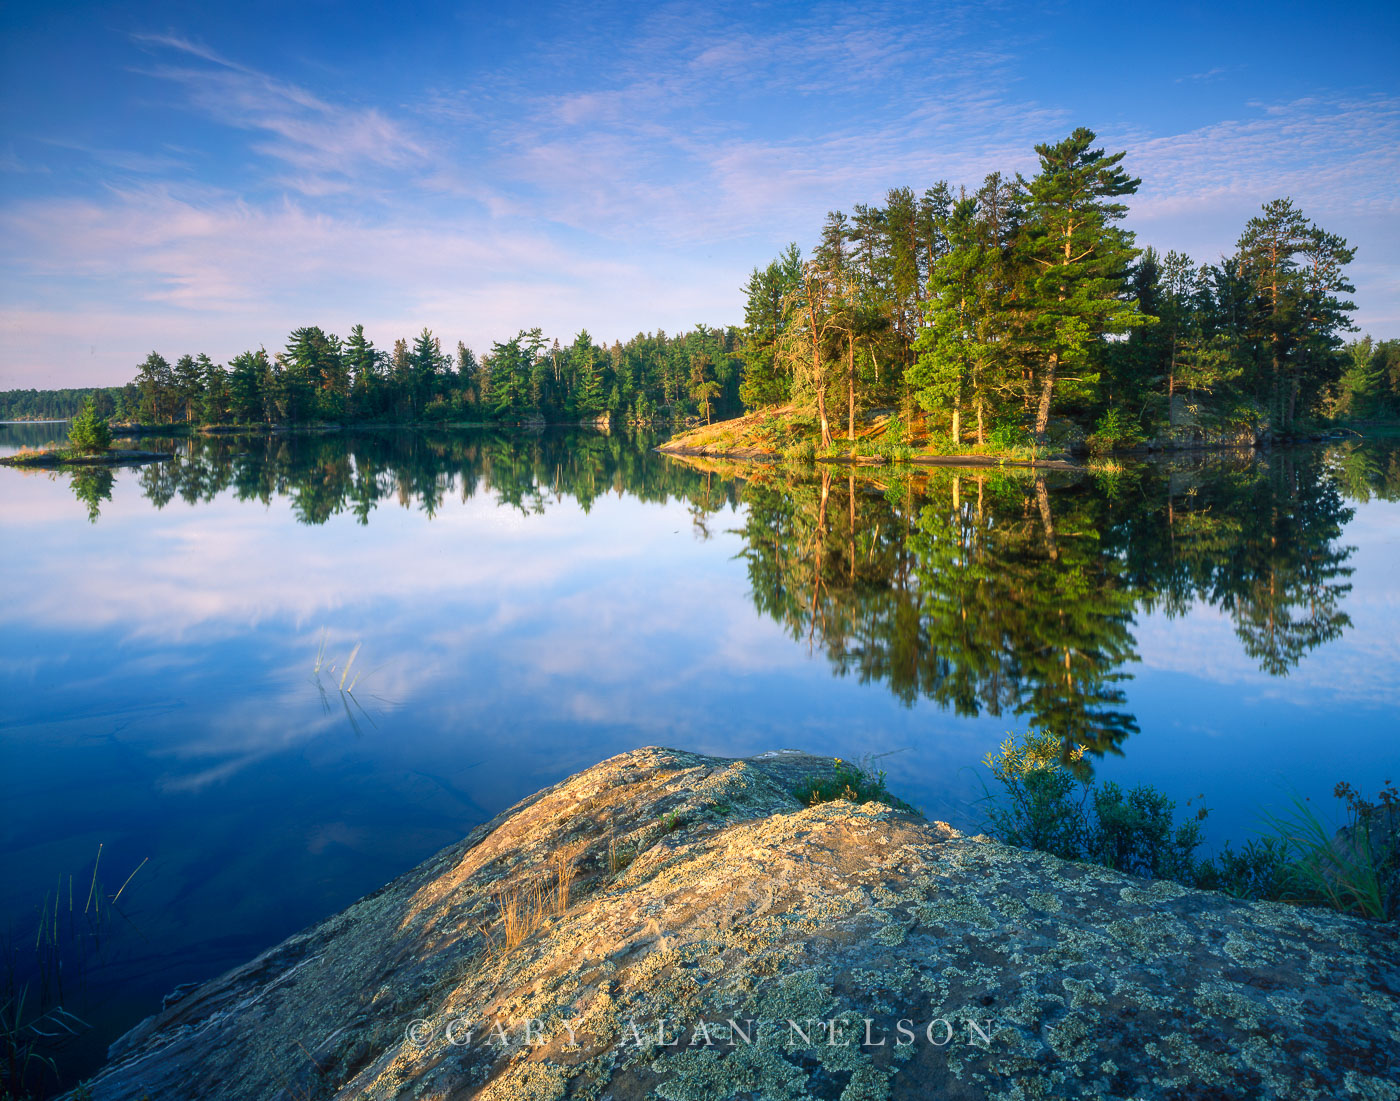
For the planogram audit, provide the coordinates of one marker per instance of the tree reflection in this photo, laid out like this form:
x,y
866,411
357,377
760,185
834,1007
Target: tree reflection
x,y
987,591
1010,593
91,485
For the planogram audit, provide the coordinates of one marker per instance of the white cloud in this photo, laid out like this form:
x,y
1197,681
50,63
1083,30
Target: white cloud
x,y
619,197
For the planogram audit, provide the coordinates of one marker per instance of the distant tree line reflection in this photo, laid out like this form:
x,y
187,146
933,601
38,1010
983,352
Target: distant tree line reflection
x,y
986,591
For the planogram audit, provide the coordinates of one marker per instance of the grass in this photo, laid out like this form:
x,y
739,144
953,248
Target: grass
x,y
1355,870
854,783
527,907
71,937
323,669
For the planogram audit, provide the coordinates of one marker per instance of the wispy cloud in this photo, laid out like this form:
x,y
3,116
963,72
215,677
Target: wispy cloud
x,y
1209,76
318,139
620,196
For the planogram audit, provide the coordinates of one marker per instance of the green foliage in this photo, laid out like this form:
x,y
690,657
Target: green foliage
x,y
1135,832
804,451
1051,803
1047,806
847,781
1028,290
1115,432
1258,870
1357,870
89,431
1008,437
57,405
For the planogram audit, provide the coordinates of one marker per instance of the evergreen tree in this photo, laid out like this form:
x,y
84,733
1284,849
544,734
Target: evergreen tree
x,y
1082,259
189,386
767,291
155,383
216,398
245,399
89,430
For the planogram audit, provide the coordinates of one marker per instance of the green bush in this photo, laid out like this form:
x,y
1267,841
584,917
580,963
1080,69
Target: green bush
x,y
1008,437
1115,432
1051,803
850,782
805,451
1259,870
88,431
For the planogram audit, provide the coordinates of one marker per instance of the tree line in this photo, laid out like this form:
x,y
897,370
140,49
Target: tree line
x,y
995,308
986,311
55,405
318,377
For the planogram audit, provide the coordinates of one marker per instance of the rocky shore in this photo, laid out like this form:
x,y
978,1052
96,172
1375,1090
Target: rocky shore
x,y
113,456
671,925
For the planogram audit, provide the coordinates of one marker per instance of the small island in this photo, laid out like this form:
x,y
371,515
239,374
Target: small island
x,y
90,444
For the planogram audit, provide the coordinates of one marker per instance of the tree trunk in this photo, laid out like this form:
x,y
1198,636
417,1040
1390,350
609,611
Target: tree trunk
x,y
957,421
1047,388
1047,522
850,386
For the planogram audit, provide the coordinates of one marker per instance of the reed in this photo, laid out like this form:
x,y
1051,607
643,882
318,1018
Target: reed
x,y
527,907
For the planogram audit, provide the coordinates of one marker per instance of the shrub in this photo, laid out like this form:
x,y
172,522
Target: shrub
x,y
1055,806
1136,833
1259,870
804,451
1114,432
1008,437
89,431
1051,803
850,782
1357,870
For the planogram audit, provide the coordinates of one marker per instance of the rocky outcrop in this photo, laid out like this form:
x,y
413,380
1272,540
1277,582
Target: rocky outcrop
x,y
718,940
1190,426
112,456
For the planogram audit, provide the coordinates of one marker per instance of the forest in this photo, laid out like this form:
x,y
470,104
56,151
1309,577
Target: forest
x,y
989,310
982,312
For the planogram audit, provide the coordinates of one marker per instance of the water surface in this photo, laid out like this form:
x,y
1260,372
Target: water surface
x,y
510,609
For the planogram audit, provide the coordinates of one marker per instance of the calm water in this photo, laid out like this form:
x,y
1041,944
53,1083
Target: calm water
x,y
177,638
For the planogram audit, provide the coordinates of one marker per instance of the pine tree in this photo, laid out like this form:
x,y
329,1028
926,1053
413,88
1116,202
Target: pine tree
x,y
215,408
245,377
155,383
89,431
1081,257
188,385
764,380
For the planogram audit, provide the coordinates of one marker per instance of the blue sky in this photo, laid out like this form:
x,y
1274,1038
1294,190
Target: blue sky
x,y
192,180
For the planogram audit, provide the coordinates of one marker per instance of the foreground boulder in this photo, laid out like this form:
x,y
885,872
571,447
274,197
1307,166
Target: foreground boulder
x,y
677,926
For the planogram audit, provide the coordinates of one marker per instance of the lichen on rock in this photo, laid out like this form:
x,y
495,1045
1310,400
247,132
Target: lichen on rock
x,y
720,940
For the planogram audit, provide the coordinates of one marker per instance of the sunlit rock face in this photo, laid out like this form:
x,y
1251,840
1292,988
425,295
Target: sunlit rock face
x,y
670,925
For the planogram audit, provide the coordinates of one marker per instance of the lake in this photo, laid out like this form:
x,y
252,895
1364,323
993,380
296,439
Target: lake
x,y
281,670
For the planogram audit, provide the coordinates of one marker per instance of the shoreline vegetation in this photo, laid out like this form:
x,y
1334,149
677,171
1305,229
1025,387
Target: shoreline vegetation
x,y
60,457
1014,319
